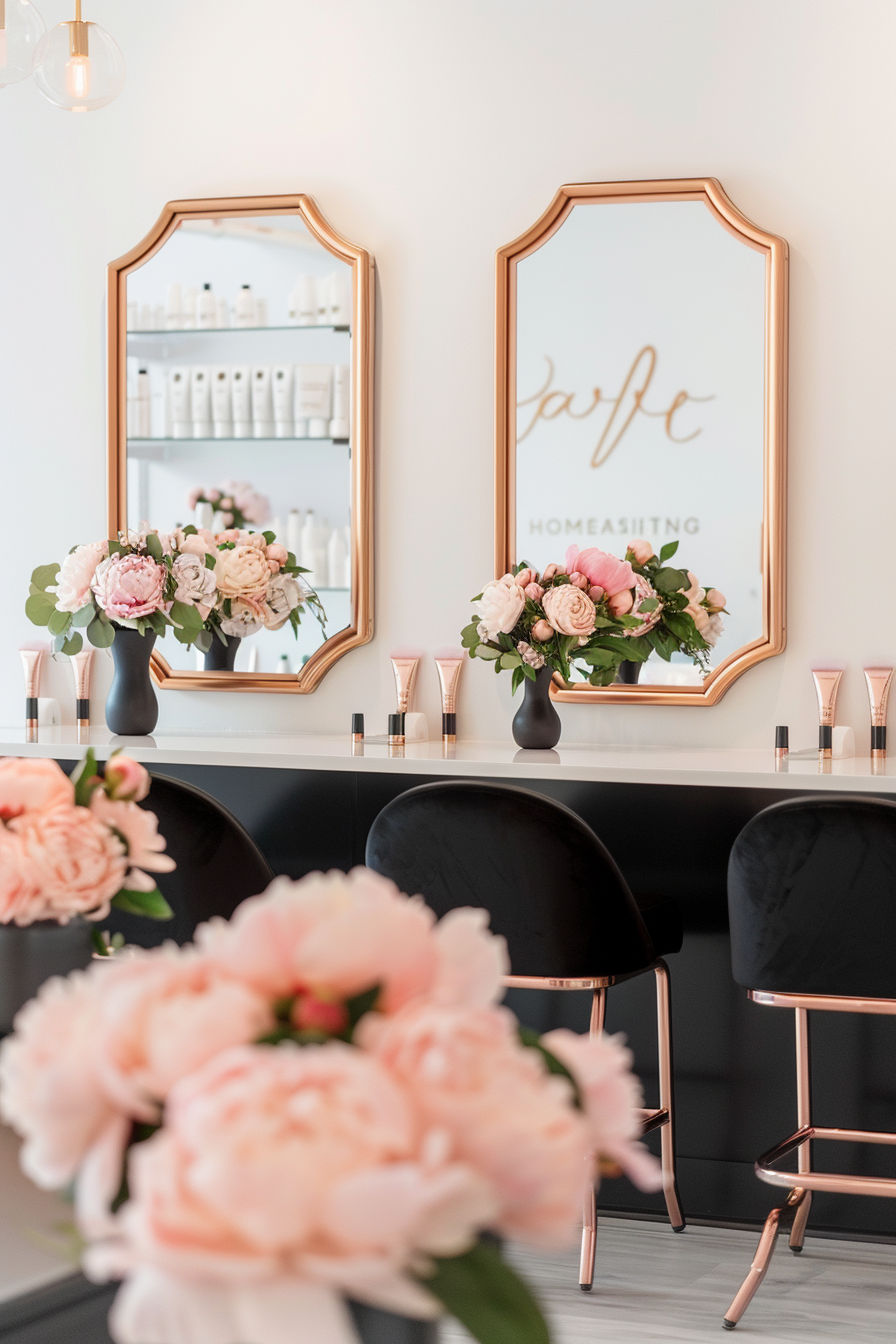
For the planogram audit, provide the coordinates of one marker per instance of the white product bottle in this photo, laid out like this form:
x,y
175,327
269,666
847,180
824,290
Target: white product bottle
x,y
222,403
262,402
322,300
306,301
223,313
340,424
244,309
142,405
294,534
188,311
347,571
173,307
207,311
146,317
158,317
241,396
320,566
283,394
179,403
305,555
283,664
313,400
261,312
336,558
203,515
201,400
133,316
340,298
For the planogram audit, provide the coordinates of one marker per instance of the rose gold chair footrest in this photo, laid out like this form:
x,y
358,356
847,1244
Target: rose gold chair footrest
x,y
822,1180
653,1119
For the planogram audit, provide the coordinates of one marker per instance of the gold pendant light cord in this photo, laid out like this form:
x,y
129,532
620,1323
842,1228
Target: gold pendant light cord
x,y
77,11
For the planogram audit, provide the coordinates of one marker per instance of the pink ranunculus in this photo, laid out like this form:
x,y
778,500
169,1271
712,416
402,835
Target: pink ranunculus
x,y
601,568
620,604
140,829
278,553
20,899
534,591
699,615
579,581
569,610
72,587
213,496
32,786
611,1093
543,631
525,577
49,1091
641,550
550,572
505,1116
163,1015
715,600
77,863
126,779
596,593
226,502
129,586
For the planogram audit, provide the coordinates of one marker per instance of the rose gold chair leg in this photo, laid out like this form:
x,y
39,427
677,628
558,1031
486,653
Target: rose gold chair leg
x,y
804,1120
589,1211
667,1133
776,1221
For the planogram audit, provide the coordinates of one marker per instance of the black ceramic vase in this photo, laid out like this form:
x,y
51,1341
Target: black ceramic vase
x,y
131,708
382,1327
29,956
220,657
536,724
628,674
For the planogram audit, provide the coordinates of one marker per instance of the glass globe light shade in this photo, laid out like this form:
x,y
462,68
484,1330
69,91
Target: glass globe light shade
x,y
80,67
21,29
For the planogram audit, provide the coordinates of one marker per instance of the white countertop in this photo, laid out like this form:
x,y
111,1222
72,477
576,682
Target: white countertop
x,y
701,766
29,1222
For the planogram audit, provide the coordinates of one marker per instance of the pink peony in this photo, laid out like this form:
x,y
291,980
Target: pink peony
x,y
77,863
601,569
139,829
569,610
505,1116
20,901
641,550
73,582
611,1093
129,586
198,543
32,785
242,572
126,779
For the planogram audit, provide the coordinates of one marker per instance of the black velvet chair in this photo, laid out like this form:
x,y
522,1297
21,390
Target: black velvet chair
x,y
812,906
554,892
218,864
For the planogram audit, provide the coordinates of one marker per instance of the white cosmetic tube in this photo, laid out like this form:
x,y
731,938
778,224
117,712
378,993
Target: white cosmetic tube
x,y
142,406
244,310
188,309
283,396
262,402
306,301
207,310
294,533
313,398
179,403
340,424
222,405
173,308
133,317
201,401
322,300
203,516
223,313
241,395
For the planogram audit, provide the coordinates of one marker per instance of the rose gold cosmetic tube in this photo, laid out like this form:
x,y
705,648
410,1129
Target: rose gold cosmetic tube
x,y
449,662
405,663
827,683
31,663
81,664
878,681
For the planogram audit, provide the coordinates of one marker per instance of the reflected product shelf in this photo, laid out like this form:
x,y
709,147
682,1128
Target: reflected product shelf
x,y
216,331
159,450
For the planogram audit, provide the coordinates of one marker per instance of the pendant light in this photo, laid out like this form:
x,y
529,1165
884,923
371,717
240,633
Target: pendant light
x,y
79,66
21,29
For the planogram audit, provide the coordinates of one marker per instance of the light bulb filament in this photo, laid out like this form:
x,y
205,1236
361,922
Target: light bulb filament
x,y
77,77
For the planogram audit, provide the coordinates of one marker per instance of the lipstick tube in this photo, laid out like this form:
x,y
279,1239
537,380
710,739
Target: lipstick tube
x,y
357,727
878,681
81,665
31,663
405,664
449,663
827,683
782,742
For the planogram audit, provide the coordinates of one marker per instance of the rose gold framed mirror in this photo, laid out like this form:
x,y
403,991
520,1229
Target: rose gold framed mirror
x,y
240,393
641,394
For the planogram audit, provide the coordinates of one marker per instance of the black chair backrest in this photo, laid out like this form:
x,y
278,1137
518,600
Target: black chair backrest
x,y
218,864
550,886
812,898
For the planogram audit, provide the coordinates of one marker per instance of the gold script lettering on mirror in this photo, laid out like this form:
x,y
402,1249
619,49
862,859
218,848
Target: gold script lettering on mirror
x,y
240,425
642,399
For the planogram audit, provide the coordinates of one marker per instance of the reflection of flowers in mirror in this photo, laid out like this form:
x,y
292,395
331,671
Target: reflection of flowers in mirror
x,y
595,610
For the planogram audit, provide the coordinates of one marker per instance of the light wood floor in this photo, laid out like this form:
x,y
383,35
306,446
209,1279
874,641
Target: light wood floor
x,y
653,1285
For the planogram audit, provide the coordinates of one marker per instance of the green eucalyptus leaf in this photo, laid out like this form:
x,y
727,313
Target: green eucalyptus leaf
x,y
210,560
59,622
73,644
510,660
649,604
39,608
682,626
516,680
115,547
203,641
82,618
528,672
44,575
154,546
101,633
269,537
486,652
151,904
85,779
186,615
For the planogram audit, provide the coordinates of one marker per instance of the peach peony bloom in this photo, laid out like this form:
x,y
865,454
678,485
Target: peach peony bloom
x,y
72,587
279,554
242,572
641,550
126,779
543,631
140,830
20,899
164,1015
77,863
601,568
569,610
525,577
32,785
611,1093
471,961
620,604
505,1116
534,591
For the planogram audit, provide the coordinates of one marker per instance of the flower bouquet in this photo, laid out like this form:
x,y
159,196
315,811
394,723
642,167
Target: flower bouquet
x,y
237,503
596,612
320,1101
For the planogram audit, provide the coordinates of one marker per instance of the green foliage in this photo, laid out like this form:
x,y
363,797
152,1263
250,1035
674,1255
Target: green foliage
x,y
40,607
72,644
83,617
85,779
487,652
151,904
44,575
101,633
510,660
487,1297
668,551
671,580
269,537
359,1005
154,546
682,626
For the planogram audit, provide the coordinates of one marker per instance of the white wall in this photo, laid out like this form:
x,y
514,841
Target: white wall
x,y
432,134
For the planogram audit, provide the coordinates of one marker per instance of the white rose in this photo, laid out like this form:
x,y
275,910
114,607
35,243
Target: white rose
x,y
283,596
500,606
243,620
195,583
73,582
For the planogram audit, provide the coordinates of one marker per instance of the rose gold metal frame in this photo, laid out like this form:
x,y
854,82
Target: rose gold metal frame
x,y
657,1117
360,631
793,1214
710,192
